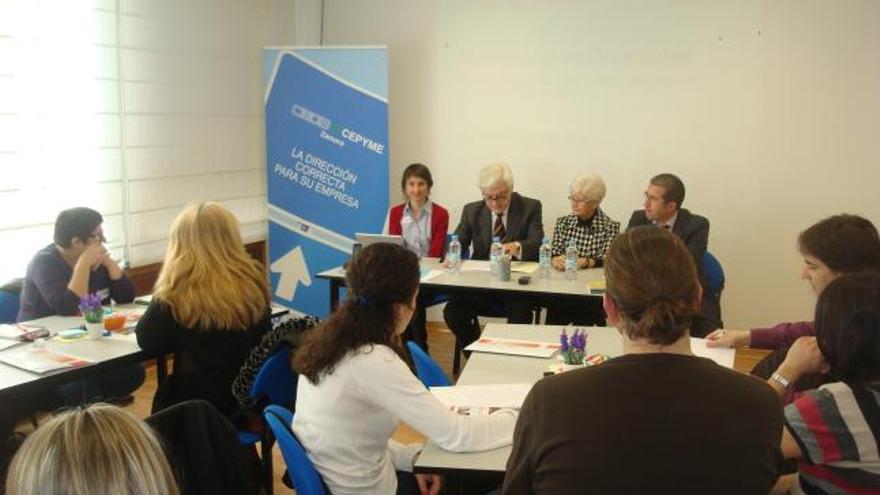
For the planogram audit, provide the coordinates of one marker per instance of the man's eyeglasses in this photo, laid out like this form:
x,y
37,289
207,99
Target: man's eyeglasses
x,y
654,198
496,197
99,237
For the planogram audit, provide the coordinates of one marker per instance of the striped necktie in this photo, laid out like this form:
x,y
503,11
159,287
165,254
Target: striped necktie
x,y
498,230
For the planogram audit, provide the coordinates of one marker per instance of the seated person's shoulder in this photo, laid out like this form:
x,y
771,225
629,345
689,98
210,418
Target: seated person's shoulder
x,y
529,201
693,217
739,385
46,257
637,218
371,360
606,220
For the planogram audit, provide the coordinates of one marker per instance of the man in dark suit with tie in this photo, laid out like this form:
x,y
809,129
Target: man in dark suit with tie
x,y
663,199
514,218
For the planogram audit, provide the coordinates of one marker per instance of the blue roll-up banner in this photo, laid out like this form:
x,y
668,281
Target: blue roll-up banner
x,y
326,163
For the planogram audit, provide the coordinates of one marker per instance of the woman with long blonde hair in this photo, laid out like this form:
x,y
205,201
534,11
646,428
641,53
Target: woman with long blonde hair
x,y
210,307
97,449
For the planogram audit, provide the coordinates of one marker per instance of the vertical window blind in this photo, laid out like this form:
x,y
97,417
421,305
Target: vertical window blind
x,y
134,108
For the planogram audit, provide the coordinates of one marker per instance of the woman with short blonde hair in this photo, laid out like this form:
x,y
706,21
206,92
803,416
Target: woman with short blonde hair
x,y
210,307
93,450
591,231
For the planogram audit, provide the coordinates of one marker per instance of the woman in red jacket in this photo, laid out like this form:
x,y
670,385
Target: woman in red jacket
x,y
420,221
423,225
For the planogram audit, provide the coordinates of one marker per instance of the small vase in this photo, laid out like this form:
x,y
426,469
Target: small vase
x,y
95,330
569,367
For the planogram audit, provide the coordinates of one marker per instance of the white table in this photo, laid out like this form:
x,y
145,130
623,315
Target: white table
x,y
104,352
484,368
476,282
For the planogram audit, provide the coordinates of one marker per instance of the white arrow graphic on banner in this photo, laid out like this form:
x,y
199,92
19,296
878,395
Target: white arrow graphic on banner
x,y
293,269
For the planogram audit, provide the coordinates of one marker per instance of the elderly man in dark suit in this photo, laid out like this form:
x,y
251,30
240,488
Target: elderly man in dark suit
x,y
663,199
514,218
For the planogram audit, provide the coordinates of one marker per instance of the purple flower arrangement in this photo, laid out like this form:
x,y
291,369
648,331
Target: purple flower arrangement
x,y
91,309
574,348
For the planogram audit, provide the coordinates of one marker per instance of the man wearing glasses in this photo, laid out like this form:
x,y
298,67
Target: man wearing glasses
x,y
75,265
516,220
663,199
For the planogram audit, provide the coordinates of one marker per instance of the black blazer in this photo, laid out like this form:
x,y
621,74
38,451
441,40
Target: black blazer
x,y
524,225
693,230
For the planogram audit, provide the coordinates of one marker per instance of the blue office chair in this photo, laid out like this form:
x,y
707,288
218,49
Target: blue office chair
x,y
306,479
275,383
714,274
10,301
428,371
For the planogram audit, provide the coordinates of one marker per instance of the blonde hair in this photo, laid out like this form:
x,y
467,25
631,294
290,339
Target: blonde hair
x,y
496,173
100,449
208,279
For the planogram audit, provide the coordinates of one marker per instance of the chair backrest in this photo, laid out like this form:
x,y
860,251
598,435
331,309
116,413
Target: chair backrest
x,y
428,371
713,272
276,381
9,304
203,450
306,479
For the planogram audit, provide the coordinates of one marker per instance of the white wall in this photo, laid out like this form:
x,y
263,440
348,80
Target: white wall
x,y
767,110
193,110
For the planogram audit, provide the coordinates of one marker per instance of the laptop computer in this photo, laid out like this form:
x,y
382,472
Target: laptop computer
x,y
366,239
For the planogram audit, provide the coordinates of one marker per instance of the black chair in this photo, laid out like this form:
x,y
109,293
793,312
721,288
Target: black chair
x,y
203,450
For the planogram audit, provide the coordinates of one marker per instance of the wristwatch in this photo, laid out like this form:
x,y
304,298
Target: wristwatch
x,y
776,377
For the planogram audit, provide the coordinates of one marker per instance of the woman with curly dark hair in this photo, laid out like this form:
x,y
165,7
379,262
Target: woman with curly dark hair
x,y
355,386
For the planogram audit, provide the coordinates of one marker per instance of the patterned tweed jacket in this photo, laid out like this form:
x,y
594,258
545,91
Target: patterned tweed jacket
x,y
592,237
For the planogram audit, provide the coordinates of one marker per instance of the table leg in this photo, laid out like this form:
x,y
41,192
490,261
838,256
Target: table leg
x,y
161,369
335,285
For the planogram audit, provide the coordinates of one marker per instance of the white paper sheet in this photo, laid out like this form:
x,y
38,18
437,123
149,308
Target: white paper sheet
x,y
510,395
39,360
722,356
527,267
513,347
474,266
432,274
7,343
10,331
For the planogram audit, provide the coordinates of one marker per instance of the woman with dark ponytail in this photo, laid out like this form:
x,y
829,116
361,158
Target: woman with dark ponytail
x,y
656,419
355,386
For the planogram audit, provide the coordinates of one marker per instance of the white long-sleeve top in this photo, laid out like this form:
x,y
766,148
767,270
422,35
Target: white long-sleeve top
x,y
345,422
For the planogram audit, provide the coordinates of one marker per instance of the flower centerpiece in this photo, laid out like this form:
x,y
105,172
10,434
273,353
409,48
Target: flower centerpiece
x,y
90,307
574,348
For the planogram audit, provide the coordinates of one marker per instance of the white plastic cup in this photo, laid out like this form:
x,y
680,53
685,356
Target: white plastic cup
x,y
95,330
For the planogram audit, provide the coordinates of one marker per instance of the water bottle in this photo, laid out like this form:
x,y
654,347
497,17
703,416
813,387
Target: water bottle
x,y
453,255
544,255
495,253
571,261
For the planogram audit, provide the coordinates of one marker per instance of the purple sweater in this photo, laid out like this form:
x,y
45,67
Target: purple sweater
x,y
782,335
45,291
